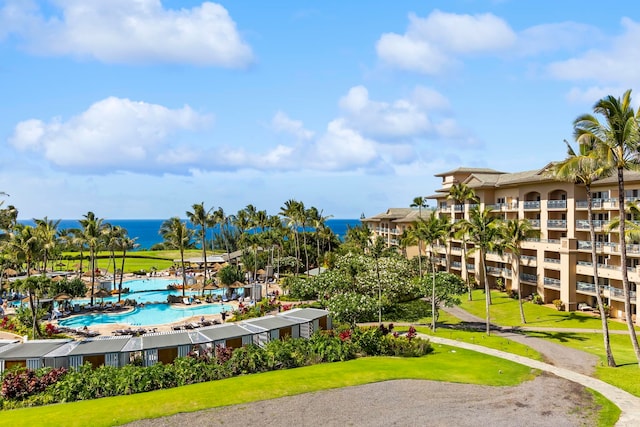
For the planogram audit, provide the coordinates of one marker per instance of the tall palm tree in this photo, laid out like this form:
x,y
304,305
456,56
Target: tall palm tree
x,y
419,202
460,193
47,232
619,137
585,166
516,231
223,221
431,231
24,245
92,229
484,231
113,235
200,217
178,236
126,244
291,214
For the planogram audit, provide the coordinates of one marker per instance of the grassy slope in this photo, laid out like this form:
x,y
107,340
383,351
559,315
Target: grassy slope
x,y
443,365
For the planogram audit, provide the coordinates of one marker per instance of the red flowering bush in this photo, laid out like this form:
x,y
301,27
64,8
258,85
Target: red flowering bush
x,y
50,329
345,335
19,385
411,333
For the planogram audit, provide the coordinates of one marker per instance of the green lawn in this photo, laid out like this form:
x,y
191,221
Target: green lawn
x,y
504,311
445,364
134,261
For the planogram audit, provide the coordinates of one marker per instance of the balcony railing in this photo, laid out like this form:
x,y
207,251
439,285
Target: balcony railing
x,y
556,204
459,208
535,223
456,264
530,278
583,224
586,287
531,205
557,223
550,282
528,258
471,267
552,260
619,293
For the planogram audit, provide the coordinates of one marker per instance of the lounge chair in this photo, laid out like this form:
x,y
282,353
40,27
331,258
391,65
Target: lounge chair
x,y
186,301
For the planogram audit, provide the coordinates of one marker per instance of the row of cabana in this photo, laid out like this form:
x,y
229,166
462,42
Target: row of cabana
x,y
161,347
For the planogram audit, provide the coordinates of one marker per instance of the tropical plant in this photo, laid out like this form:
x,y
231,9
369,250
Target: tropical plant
x,y
619,138
178,236
431,231
460,193
484,231
514,232
200,217
585,166
91,235
446,292
419,202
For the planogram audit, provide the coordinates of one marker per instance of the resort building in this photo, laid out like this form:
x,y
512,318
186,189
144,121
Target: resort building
x,y
557,265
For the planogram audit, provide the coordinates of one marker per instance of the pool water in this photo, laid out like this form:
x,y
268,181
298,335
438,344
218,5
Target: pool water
x,y
147,291
151,314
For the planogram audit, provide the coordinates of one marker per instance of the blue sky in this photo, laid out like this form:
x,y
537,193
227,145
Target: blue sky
x,y
141,108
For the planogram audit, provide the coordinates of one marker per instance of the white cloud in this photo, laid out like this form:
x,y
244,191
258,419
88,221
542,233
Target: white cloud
x,y
112,134
616,65
556,37
283,123
126,31
432,45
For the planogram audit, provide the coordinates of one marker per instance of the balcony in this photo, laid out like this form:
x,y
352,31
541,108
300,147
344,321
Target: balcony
x,y
471,267
459,208
552,260
586,287
531,205
550,282
535,223
497,271
456,264
557,224
618,293
529,278
556,204
583,224
528,258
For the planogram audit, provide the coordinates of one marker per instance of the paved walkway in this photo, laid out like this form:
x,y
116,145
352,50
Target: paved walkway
x,y
628,403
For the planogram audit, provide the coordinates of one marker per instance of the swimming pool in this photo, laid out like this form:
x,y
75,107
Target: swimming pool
x,y
150,314
151,283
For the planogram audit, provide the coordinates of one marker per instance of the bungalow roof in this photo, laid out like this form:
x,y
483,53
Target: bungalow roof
x,y
100,346
269,323
32,349
221,332
305,313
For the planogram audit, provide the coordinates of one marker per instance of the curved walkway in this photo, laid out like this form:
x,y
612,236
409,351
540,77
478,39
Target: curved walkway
x,y
628,403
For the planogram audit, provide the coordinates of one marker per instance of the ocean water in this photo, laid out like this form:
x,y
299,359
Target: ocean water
x,y
148,230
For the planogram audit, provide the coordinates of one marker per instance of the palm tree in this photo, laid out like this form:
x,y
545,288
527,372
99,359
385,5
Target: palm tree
x,y
619,137
113,235
460,193
516,231
24,245
376,250
126,244
431,231
178,236
419,202
47,232
291,214
91,235
200,217
586,166
220,218
483,229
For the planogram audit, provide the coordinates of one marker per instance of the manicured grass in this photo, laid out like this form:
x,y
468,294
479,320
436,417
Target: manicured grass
x,y
626,376
505,312
609,413
134,261
445,364
479,338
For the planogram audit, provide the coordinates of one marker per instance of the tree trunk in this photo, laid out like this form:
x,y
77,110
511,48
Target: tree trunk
x,y
594,262
466,270
121,276
487,292
184,273
623,262
517,276
433,296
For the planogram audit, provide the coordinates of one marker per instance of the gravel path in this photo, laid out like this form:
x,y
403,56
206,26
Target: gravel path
x,y
409,403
